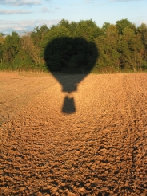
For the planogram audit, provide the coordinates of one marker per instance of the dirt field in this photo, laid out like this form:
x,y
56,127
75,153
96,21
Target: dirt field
x,y
87,142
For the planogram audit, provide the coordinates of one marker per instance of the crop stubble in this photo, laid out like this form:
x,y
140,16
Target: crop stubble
x,y
98,150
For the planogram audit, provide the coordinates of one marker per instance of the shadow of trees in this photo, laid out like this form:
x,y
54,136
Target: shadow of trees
x,y
70,60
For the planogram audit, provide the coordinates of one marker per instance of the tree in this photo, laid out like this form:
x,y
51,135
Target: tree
x,y
122,24
107,46
131,49
120,46
2,39
142,31
38,34
32,50
87,30
11,47
105,27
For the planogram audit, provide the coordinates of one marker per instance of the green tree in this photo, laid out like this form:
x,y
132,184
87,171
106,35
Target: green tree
x,y
122,24
131,49
11,47
2,39
38,34
120,46
142,31
107,46
31,49
88,30
105,27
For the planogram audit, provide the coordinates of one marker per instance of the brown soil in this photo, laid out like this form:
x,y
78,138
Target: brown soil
x,y
96,149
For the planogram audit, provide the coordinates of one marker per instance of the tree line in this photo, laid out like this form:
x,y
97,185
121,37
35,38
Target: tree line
x,y
120,47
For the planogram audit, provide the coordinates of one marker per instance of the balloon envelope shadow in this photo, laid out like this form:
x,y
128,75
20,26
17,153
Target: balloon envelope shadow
x,y
70,60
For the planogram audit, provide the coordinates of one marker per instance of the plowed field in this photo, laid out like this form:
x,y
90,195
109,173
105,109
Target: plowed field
x,y
87,142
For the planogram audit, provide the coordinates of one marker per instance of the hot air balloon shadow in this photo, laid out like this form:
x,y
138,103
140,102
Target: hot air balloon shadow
x,y
70,60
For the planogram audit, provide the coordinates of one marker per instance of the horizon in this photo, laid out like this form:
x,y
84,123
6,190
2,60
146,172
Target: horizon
x,y
23,16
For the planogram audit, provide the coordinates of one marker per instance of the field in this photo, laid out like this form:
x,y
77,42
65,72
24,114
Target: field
x,y
57,138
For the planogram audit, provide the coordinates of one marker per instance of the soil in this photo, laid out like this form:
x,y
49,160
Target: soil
x,y
87,142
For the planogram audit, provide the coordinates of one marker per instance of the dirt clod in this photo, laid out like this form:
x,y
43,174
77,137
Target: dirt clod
x,y
96,149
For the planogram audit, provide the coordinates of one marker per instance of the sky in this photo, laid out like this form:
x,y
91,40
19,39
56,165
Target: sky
x,y
24,15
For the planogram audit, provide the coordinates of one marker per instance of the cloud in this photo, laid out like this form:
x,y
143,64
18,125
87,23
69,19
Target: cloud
x,y
6,12
44,10
89,1
24,26
20,2
49,10
124,0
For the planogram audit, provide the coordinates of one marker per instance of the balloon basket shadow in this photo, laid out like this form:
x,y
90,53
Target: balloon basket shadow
x,y
68,105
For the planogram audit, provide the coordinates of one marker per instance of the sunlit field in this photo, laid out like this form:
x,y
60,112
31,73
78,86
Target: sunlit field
x,y
78,135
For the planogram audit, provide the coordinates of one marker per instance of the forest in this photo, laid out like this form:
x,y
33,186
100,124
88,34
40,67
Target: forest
x,y
111,48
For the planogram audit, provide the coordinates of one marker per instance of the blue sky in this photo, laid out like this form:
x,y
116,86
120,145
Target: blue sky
x,y
24,15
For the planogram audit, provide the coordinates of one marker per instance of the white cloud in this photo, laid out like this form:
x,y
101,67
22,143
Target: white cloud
x,y
6,12
49,10
20,2
124,0
45,10
24,26
89,1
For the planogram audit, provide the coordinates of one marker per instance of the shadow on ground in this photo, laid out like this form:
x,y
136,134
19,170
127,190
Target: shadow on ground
x,y
70,60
